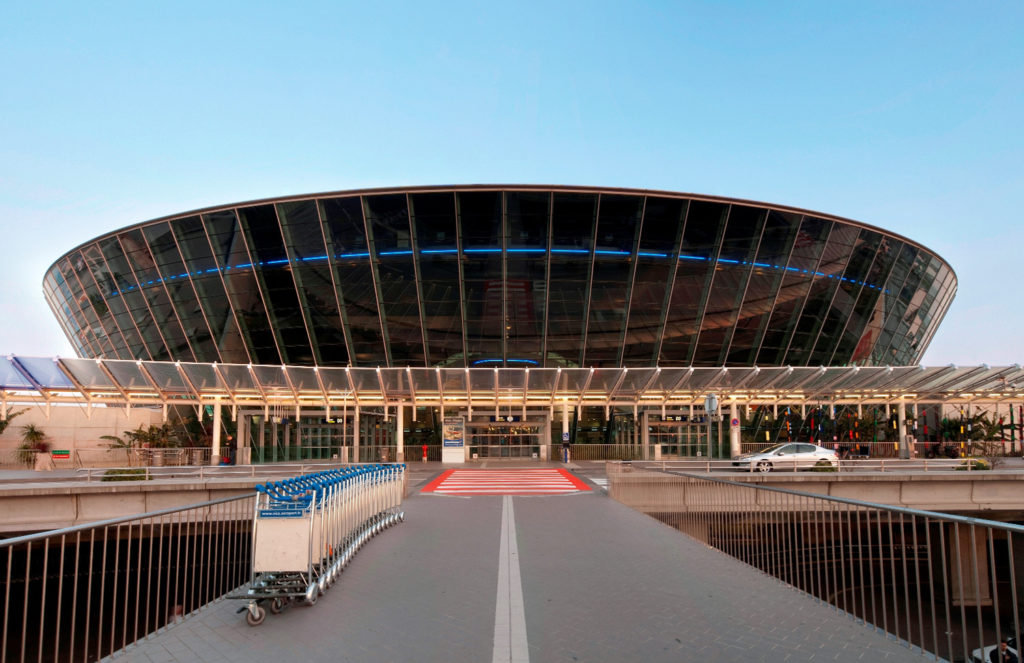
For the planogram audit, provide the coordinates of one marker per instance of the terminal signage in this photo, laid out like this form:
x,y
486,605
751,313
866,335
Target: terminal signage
x,y
60,453
281,513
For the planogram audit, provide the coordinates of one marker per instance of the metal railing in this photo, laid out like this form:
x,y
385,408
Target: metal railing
x,y
842,466
946,586
84,592
202,472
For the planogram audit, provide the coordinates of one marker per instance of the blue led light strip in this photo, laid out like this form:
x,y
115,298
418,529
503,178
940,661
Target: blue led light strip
x,y
536,251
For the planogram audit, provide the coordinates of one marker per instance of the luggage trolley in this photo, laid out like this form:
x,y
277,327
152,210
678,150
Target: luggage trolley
x,y
307,528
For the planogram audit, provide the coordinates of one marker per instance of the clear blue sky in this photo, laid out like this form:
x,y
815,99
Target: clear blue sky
x,y
906,115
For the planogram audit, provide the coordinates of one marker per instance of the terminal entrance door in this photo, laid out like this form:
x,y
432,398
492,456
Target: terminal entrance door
x,y
676,434
509,436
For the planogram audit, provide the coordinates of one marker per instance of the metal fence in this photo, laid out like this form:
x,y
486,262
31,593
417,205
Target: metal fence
x,y
81,593
944,585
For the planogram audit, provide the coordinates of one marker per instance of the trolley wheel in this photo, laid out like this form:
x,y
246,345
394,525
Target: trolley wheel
x,y
312,601
257,619
276,606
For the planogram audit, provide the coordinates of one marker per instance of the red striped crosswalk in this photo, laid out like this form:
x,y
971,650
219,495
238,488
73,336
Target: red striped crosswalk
x,y
505,482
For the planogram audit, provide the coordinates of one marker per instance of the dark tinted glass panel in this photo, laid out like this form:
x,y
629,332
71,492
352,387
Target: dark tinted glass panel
x,y
177,279
526,264
433,217
266,245
127,341
155,291
841,244
695,267
572,229
387,221
618,225
780,231
92,333
660,234
347,243
864,326
239,273
206,278
304,241
134,301
739,245
480,214
527,213
798,276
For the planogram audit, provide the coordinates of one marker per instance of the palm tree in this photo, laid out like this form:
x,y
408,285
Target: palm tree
x,y
33,441
4,423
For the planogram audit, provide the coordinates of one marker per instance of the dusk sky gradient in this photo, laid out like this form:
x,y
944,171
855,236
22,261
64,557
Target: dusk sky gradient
x,y
906,115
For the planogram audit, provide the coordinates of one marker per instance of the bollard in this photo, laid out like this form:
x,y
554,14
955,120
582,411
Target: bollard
x,y
424,453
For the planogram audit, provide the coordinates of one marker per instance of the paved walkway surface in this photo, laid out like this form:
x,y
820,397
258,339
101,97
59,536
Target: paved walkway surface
x,y
575,577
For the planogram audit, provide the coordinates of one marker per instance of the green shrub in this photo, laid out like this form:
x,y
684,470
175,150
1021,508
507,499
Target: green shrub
x,y
975,464
125,475
823,466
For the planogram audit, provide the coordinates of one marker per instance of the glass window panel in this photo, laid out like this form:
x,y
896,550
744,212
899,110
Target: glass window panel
x,y
303,379
480,216
442,307
526,280
335,380
274,277
542,380
140,315
176,278
143,266
732,270
528,213
482,380
45,372
271,377
96,308
117,321
397,382
572,229
695,268
311,269
780,232
454,381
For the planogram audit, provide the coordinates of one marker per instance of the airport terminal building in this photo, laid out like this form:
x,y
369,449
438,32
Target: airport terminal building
x,y
498,288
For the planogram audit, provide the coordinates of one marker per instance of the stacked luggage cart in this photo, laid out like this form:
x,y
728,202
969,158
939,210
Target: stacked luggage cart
x,y
307,528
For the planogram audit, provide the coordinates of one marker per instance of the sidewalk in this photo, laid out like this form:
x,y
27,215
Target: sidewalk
x,y
599,582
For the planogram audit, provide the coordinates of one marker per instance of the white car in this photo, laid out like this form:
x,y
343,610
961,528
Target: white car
x,y
787,456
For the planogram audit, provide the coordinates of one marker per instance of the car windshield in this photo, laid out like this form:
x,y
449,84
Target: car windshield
x,y
773,448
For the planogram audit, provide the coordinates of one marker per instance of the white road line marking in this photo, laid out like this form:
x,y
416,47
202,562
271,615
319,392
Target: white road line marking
x,y
510,644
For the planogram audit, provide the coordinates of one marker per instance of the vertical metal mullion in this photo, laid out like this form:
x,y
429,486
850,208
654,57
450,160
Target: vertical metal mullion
x,y
373,258
670,286
710,285
503,232
731,334
590,281
299,296
339,297
417,272
635,254
463,306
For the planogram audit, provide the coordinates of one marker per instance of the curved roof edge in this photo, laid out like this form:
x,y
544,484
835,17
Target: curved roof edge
x,y
504,187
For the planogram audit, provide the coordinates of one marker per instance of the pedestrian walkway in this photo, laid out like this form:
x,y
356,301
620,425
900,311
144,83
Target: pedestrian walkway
x,y
575,577
505,482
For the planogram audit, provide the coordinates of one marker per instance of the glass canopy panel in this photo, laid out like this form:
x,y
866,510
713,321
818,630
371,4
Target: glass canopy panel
x,y
424,381
511,379
397,382
570,382
87,373
166,376
454,381
335,380
128,374
541,381
303,379
482,380
202,377
10,377
800,378
237,378
46,372
271,378
634,381
825,381
603,380
701,378
365,381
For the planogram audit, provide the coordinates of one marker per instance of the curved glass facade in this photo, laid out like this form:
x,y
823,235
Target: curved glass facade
x,y
513,276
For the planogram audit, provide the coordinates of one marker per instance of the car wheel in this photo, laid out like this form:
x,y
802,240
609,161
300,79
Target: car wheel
x,y
764,466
